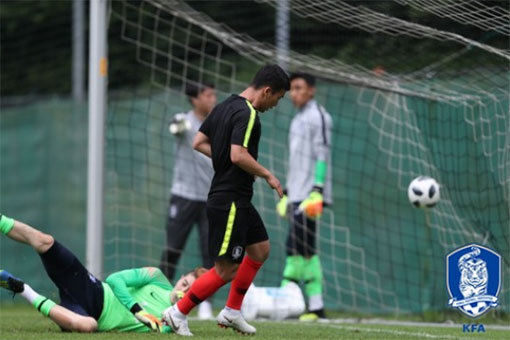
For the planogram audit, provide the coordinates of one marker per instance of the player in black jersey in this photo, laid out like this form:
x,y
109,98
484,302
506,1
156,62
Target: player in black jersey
x,y
230,136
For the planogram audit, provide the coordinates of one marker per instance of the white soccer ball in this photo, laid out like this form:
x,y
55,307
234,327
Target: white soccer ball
x,y
423,192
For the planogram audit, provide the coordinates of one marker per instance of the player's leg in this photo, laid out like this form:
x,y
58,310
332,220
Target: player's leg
x,y
222,228
312,273
205,308
41,242
223,233
63,268
21,232
63,317
71,321
257,249
181,215
203,231
256,255
201,289
73,280
294,263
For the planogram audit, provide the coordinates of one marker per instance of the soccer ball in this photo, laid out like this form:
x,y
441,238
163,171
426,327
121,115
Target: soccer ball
x,y
423,192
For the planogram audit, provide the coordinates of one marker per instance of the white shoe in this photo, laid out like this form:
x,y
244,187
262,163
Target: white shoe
x,y
205,310
178,321
234,319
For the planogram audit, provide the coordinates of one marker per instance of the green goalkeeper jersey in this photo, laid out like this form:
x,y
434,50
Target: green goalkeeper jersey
x,y
146,286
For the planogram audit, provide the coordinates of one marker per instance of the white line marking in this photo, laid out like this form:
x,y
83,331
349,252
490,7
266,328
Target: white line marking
x,y
449,324
394,332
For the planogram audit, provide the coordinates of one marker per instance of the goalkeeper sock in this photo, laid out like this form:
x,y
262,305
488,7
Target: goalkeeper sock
x,y
316,304
44,305
6,224
203,287
293,269
313,276
242,281
29,294
41,303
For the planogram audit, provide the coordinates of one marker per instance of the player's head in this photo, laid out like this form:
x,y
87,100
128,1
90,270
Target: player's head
x,y
201,96
185,281
271,82
302,88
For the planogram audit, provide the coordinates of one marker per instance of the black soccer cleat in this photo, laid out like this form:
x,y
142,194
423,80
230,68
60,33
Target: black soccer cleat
x,y
9,282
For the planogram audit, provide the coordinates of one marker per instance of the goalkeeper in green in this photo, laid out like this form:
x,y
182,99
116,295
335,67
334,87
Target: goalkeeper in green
x,y
308,189
128,301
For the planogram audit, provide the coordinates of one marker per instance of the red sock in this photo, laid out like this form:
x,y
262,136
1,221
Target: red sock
x,y
244,277
203,287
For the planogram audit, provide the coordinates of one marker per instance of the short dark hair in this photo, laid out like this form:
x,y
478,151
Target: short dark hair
x,y
193,89
273,76
308,78
197,272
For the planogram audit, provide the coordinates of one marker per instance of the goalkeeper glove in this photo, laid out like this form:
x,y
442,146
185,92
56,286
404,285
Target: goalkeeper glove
x,y
282,205
179,124
147,319
176,295
312,206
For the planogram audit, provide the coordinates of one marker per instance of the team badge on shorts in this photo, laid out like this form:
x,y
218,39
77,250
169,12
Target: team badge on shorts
x,y
473,279
237,252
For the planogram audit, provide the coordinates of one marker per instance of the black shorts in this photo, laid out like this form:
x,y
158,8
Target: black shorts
x,y
79,290
302,232
232,229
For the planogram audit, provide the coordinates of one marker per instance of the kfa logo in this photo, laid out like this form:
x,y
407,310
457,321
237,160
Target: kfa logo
x,y
473,278
472,328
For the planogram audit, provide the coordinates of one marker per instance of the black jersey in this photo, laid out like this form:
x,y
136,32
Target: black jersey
x,y
233,121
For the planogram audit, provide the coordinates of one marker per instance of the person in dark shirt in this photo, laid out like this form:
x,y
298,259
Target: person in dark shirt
x,y
230,136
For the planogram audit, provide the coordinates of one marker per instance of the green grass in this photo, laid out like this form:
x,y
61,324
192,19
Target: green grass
x,y
23,322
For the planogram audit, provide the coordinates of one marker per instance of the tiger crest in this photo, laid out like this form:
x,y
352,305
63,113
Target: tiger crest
x,y
473,274
473,279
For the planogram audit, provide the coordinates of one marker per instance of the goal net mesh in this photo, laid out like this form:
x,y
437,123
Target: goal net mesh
x,y
379,254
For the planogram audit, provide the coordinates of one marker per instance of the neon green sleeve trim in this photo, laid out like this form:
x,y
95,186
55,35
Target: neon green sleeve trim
x,y
320,173
139,277
6,224
251,122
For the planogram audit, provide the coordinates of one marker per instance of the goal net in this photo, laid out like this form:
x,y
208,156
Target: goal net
x,y
379,254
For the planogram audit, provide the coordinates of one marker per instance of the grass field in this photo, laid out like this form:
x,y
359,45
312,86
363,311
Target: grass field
x,y
22,322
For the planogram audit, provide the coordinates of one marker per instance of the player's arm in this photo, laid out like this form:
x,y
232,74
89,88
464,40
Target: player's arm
x,y
240,156
139,277
243,123
202,144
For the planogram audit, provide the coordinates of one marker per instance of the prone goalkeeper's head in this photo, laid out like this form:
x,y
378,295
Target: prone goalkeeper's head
x,y
184,283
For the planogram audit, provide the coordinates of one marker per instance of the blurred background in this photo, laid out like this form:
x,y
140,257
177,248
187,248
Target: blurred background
x,y
413,89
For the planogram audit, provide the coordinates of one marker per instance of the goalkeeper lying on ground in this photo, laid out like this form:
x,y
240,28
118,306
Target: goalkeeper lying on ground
x,y
128,301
